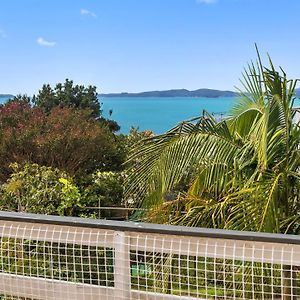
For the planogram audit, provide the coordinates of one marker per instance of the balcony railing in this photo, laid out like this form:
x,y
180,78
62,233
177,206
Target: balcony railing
x,y
47,257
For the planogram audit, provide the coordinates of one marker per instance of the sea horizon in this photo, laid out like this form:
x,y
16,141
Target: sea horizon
x,y
160,114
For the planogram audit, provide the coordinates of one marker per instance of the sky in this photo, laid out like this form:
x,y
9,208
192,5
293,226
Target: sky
x,y
142,45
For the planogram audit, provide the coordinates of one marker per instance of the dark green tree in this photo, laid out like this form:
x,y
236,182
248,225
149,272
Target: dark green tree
x,y
68,95
20,98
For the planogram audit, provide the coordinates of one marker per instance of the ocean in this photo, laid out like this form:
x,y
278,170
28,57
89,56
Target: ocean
x,y
160,114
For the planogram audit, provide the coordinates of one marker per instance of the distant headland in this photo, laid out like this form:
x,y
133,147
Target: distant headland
x,y
6,96
207,93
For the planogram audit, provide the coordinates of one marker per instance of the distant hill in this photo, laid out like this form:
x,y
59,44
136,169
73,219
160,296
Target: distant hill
x,y
298,92
6,96
208,93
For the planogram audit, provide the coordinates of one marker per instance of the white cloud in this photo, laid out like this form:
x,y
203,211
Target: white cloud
x,y
85,12
42,42
206,1
2,34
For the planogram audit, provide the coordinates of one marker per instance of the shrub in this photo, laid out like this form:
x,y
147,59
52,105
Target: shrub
x,y
65,138
102,189
39,189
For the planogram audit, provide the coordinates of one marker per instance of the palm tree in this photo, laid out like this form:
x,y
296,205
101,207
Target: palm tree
x,y
240,173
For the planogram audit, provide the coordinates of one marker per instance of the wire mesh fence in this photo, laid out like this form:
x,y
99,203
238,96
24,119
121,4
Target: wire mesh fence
x,y
54,259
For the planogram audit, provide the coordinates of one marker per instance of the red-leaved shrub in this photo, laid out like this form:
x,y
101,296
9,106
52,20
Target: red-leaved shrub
x,y
64,138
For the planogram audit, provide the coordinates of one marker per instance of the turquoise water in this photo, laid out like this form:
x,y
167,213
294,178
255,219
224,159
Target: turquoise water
x,y
161,114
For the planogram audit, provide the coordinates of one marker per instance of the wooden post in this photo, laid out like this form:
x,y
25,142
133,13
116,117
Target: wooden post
x,y
122,272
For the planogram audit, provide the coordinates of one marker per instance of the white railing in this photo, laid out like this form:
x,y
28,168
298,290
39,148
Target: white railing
x,y
46,257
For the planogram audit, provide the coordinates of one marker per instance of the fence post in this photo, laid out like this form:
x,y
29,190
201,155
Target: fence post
x,y
122,274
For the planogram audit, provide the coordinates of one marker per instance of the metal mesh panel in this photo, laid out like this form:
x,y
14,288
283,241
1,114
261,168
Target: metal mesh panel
x,y
200,277
57,254
216,268
40,261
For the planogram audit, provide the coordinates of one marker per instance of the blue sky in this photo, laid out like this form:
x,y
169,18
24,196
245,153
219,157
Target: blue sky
x,y
138,45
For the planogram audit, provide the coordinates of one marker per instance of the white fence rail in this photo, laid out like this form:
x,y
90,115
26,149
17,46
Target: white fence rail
x,y
45,257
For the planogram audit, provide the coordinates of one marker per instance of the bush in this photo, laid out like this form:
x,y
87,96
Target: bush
x,y
39,189
102,189
66,138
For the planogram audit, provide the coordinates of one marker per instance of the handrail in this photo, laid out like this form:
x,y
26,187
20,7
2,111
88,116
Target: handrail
x,y
66,258
151,228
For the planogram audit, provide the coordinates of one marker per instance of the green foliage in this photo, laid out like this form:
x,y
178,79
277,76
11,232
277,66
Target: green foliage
x,y
132,139
20,98
109,186
135,136
242,172
38,189
70,198
101,189
68,95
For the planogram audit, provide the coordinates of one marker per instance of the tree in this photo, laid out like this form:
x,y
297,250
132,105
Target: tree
x,y
68,95
65,138
21,98
242,173
251,155
129,141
